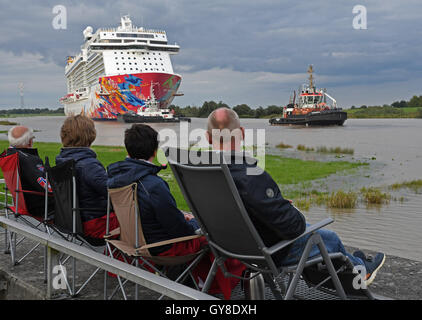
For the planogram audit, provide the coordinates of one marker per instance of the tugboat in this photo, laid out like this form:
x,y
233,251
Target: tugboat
x,y
150,113
311,108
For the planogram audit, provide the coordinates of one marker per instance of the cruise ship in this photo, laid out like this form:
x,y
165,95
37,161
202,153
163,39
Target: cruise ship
x,y
118,69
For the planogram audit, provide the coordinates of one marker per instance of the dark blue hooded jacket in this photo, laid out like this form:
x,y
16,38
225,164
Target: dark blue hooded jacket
x,y
160,218
274,217
91,180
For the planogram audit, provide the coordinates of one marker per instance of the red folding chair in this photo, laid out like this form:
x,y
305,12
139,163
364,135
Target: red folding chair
x,y
19,210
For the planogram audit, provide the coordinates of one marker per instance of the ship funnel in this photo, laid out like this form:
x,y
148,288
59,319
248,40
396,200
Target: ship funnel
x,y
88,32
126,23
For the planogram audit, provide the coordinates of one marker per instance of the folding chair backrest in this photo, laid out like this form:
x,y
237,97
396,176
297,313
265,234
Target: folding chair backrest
x,y
9,165
62,181
214,200
125,206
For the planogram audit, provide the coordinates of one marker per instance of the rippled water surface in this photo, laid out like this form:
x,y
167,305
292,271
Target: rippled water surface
x,y
392,147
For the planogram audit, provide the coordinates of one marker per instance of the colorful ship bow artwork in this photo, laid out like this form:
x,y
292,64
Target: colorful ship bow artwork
x,y
123,93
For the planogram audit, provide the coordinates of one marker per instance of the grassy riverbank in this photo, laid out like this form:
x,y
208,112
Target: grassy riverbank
x,y
21,115
285,171
384,112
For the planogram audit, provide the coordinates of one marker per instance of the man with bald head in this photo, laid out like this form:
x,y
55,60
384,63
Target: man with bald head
x,y
274,217
21,137
31,168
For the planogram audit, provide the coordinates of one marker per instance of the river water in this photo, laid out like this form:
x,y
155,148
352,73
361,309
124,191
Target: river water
x,y
392,147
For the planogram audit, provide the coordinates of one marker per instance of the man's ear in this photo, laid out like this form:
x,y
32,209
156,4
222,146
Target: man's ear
x,y
209,137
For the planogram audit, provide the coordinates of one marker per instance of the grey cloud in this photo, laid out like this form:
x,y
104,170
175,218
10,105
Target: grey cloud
x,y
277,37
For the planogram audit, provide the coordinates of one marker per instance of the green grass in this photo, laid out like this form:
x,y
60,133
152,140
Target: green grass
x,y
375,196
7,123
414,185
292,171
335,150
282,145
342,200
302,147
19,115
383,112
283,170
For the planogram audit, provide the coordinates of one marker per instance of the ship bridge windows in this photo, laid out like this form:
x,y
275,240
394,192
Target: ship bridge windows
x,y
158,42
312,99
134,35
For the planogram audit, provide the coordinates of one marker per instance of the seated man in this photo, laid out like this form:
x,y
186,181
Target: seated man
x,y
31,166
160,218
274,217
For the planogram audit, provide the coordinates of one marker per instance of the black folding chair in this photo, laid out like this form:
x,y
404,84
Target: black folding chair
x,y
67,220
215,202
28,206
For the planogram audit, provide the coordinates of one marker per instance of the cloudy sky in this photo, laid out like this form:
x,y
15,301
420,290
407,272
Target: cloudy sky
x,y
237,51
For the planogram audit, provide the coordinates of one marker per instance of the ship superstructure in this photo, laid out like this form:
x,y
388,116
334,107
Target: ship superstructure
x,y
115,70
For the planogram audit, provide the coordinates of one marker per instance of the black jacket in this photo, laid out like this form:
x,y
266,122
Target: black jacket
x,y
274,217
160,218
32,177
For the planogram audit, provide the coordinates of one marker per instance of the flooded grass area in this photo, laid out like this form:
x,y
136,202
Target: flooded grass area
x,y
282,145
415,185
321,149
7,123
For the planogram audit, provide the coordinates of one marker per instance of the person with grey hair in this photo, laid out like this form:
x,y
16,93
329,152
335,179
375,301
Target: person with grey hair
x,y
31,168
274,217
21,137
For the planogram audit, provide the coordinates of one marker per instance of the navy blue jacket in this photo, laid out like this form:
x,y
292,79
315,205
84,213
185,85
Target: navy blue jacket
x,y
274,217
160,218
91,181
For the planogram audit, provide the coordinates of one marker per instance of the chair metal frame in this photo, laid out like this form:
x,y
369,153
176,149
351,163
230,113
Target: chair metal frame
x,y
72,235
11,241
141,260
262,263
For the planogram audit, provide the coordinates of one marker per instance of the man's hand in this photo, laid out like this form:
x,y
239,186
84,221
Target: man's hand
x,y
188,216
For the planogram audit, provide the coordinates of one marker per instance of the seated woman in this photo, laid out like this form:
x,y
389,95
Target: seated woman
x,y
160,218
77,135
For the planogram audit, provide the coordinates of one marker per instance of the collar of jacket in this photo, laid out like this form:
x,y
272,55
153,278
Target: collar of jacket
x,y
31,151
129,170
242,158
77,153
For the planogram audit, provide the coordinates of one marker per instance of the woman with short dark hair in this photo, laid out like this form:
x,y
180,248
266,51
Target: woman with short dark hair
x,y
77,134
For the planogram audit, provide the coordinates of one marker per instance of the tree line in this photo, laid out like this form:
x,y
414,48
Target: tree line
x,y
414,102
243,110
31,111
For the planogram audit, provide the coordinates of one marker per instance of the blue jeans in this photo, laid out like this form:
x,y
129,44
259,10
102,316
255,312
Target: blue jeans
x,y
331,241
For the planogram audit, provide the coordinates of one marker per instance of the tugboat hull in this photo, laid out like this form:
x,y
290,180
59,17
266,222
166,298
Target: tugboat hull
x,y
130,118
322,118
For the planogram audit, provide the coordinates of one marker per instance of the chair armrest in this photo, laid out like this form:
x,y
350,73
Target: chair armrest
x,y
312,228
171,241
112,233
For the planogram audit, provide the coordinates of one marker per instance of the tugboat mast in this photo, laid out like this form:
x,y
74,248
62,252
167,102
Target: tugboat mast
x,y
311,77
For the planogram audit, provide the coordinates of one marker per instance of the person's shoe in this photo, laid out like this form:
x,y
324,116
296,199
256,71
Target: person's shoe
x,y
372,267
359,254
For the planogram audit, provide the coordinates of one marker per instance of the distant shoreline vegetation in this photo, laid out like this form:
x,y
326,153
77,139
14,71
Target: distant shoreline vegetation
x,y
25,112
398,109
